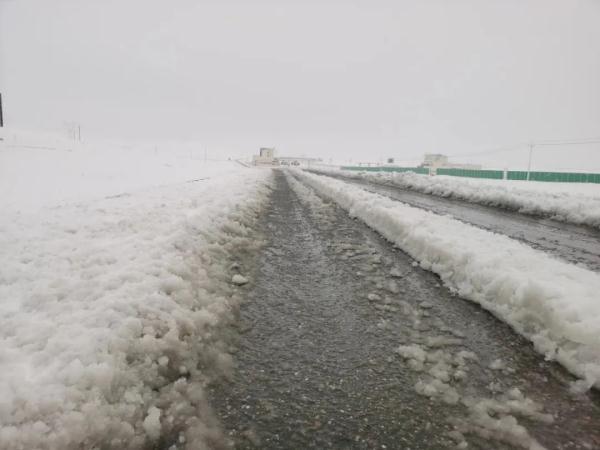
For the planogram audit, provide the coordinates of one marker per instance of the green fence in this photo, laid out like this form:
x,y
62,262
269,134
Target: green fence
x,y
516,175
470,173
561,177
421,170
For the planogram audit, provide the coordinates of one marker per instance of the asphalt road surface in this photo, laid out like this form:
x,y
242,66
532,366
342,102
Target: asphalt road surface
x,y
344,342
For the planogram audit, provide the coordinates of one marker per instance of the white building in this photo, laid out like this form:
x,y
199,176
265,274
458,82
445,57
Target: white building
x,y
436,161
266,156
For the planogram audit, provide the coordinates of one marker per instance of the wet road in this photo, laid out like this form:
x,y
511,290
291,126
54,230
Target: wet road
x,y
574,243
344,342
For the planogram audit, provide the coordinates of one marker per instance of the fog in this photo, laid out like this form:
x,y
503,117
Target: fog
x,y
341,80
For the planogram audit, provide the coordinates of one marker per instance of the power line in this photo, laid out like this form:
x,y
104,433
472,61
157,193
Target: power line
x,y
489,152
548,142
532,145
579,142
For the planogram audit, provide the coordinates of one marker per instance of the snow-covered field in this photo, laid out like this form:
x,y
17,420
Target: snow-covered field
x,y
115,281
567,202
39,170
552,303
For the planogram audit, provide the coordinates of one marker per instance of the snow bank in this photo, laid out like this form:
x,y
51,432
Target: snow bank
x,y
566,202
112,311
551,302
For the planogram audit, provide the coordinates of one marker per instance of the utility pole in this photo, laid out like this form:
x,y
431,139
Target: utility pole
x,y
531,145
1,117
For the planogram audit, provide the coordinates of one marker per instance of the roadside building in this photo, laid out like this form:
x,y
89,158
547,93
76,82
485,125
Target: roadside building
x,y
266,156
434,161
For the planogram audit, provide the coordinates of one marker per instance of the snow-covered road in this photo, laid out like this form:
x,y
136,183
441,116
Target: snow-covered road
x,y
120,287
576,203
574,243
346,342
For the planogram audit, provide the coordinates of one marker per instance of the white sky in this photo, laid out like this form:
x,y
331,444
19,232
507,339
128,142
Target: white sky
x,y
360,80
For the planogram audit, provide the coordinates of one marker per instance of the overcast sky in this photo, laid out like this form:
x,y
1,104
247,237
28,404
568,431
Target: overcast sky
x,y
360,80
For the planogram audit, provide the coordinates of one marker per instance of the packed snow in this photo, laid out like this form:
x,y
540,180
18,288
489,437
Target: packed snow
x,y
552,303
566,202
113,296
